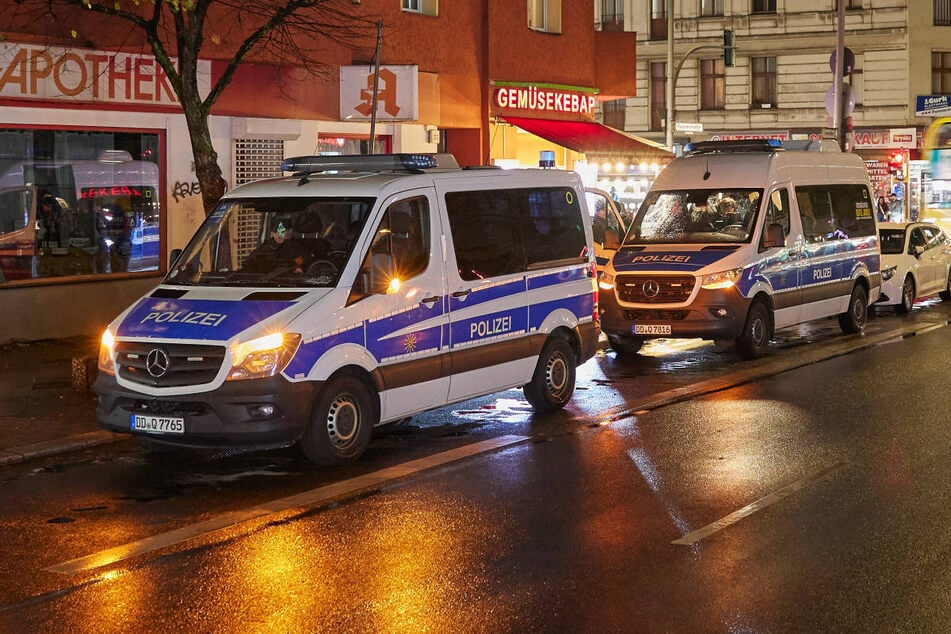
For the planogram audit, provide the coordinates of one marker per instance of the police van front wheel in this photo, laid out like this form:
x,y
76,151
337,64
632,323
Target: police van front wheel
x,y
554,380
754,340
341,423
853,320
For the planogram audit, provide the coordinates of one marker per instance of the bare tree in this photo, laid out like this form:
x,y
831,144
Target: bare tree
x,y
297,32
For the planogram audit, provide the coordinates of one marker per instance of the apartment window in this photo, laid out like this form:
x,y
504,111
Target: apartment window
x,y
612,15
712,84
658,91
763,80
711,7
426,7
544,15
942,12
941,73
850,5
614,113
764,6
658,28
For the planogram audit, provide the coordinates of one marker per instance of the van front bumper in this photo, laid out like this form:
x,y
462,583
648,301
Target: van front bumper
x,y
233,415
716,315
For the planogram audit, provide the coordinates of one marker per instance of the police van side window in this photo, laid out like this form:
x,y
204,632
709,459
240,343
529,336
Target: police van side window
x,y
833,212
399,250
556,231
777,212
486,232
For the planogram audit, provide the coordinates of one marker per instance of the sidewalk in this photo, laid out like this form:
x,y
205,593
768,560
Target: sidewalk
x,y
41,412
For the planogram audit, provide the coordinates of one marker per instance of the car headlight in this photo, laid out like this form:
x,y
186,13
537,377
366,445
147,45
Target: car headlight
x,y
889,273
606,281
106,344
725,279
262,357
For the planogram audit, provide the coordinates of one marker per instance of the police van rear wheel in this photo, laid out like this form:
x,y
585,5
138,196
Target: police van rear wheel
x,y
554,380
853,320
341,423
754,340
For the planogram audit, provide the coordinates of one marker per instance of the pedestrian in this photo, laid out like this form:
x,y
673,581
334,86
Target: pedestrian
x,y
882,209
895,210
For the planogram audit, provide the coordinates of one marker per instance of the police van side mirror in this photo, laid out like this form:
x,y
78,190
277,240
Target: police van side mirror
x,y
774,236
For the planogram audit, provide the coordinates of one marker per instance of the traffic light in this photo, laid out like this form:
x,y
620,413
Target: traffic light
x,y
896,164
729,48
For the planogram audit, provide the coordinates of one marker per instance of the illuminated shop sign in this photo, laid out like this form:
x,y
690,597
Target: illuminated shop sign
x,y
78,74
544,99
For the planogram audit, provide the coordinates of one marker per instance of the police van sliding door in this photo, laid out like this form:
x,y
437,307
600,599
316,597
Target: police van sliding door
x,y
783,265
405,306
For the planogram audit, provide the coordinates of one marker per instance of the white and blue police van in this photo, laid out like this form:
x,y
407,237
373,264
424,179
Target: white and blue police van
x,y
355,292
736,239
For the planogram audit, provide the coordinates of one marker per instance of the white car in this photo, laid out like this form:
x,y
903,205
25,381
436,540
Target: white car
x,y
916,263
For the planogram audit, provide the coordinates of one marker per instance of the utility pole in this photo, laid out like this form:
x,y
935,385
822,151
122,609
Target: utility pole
x,y
669,97
837,103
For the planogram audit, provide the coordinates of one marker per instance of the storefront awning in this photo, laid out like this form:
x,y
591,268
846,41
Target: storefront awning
x,y
590,137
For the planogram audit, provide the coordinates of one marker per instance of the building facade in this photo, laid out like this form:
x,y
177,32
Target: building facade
x,y
899,55
97,183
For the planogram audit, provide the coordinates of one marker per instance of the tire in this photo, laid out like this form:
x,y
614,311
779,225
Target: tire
x,y
757,331
553,383
626,347
853,320
341,423
907,296
945,295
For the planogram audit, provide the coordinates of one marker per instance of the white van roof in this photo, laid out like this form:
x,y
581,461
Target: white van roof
x,y
759,163
381,175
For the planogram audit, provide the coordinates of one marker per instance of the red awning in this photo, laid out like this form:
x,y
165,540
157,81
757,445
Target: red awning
x,y
590,137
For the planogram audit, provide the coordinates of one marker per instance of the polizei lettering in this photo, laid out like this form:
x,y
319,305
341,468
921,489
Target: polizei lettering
x,y
185,317
681,259
488,327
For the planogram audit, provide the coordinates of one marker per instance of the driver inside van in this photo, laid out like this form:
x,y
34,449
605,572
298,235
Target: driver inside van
x,y
288,248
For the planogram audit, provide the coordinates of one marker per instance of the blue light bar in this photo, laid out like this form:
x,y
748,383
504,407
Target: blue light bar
x,y
368,163
739,145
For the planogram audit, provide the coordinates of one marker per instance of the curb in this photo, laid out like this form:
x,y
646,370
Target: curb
x,y
17,455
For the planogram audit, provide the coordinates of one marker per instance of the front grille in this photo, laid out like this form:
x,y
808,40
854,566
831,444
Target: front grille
x,y
187,364
654,289
655,315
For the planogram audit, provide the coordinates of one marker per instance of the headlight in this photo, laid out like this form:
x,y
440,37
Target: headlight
x,y
262,357
726,279
606,282
106,343
889,273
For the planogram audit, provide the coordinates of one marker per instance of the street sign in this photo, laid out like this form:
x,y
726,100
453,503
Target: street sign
x,y
848,62
848,99
684,126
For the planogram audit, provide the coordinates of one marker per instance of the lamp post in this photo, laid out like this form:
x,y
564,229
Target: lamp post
x,y
669,97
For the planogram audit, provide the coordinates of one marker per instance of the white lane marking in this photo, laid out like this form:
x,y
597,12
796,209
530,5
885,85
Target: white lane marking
x,y
692,538
305,500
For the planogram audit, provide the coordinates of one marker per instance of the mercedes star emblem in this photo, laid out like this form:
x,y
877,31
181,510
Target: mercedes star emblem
x,y
650,288
157,362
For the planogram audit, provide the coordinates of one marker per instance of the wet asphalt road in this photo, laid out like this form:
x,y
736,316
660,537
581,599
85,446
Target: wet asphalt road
x,y
812,495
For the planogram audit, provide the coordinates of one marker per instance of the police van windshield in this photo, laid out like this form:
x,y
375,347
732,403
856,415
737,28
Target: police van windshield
x,y
273,242
696,216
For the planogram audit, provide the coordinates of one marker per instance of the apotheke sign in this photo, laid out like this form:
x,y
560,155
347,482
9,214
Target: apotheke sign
x,y
78,74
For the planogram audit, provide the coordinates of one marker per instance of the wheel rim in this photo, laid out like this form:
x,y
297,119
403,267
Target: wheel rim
x,y
858,311
556,375
343,421
908,294
758,331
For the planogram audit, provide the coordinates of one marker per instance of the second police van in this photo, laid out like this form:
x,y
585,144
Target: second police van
x,y
736,239
357,292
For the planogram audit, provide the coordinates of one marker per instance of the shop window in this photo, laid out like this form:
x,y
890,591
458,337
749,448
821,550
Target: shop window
x,y
78,202
710,8
426,7
712,84
940,73
544,15
658,95
763,70
942,12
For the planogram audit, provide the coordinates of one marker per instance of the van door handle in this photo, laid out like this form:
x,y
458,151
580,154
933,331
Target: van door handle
x,y
430,300
464,293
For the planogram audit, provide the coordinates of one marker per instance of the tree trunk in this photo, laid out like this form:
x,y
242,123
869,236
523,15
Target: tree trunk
x,y
213,186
